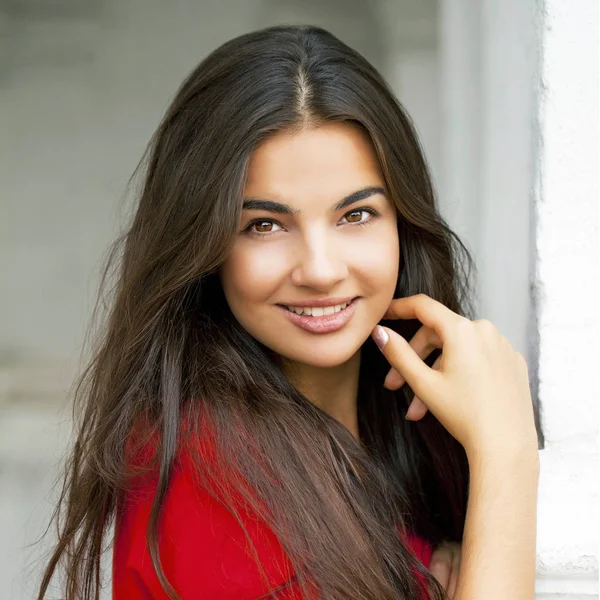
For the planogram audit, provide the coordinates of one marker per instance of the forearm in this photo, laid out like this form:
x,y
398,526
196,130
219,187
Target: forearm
x,y
499,542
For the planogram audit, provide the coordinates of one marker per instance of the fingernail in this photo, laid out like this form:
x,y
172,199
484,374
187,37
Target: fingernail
x,y
380,336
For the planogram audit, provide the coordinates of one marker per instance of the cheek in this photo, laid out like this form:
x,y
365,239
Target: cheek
x,y
251,275
376,258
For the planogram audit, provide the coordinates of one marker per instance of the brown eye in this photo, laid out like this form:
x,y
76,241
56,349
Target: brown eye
x,y
263,226
356,218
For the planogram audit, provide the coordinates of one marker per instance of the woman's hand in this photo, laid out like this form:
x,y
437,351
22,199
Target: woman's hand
x,y
445,565
478,388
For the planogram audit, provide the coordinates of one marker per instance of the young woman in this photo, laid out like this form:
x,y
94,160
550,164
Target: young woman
x,y
242,422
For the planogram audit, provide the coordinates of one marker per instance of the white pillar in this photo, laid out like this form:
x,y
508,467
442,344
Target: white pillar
x,y
567,288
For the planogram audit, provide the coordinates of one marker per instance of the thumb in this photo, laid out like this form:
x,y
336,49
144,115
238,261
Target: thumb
x,y
423,380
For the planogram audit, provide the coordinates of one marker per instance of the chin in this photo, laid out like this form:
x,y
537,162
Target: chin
x,y
322,353
322,362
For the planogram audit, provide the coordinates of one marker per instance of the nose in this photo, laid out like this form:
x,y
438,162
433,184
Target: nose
x,y
320,263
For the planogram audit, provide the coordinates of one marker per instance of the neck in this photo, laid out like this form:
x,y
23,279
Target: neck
x,y
333,389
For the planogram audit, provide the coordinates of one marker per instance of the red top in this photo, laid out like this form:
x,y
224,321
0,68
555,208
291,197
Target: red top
x,y
202,547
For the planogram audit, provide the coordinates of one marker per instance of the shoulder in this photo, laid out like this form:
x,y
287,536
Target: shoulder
x,y
203,549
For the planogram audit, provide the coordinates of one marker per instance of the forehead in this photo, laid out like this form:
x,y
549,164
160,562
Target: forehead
x,y
325,160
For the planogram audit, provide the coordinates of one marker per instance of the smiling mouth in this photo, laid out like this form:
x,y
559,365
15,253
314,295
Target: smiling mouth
x,y
320,319
318,311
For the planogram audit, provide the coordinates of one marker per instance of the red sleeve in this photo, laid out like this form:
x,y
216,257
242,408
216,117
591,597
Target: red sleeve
x,y
203,548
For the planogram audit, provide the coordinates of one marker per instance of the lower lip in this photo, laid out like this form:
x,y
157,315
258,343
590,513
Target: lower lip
x,y
324,324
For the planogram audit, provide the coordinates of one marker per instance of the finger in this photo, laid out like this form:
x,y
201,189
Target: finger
x,y
440,565
423,380
418,409
393,380
424,342
427,310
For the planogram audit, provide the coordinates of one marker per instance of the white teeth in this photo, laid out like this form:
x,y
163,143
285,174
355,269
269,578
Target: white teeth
x,y
317,311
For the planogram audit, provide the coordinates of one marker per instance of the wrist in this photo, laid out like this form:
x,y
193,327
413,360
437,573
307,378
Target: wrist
x,y
516,456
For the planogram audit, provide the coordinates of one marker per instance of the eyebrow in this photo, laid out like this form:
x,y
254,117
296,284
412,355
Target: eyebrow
x,y
285,209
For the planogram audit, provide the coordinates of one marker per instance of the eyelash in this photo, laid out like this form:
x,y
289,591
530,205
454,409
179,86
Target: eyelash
x,y
259,234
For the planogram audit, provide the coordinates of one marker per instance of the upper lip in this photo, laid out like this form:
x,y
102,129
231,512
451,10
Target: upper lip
x,y
315,303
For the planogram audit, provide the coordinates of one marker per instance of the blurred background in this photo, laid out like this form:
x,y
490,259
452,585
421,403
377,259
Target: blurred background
x,y
83,85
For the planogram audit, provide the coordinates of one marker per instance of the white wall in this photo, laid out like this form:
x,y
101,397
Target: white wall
x,y
566,287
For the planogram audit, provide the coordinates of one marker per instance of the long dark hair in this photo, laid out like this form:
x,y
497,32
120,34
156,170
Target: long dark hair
x,y
171,352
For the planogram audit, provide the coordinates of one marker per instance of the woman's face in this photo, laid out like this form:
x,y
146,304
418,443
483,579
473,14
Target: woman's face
x,y
317,231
